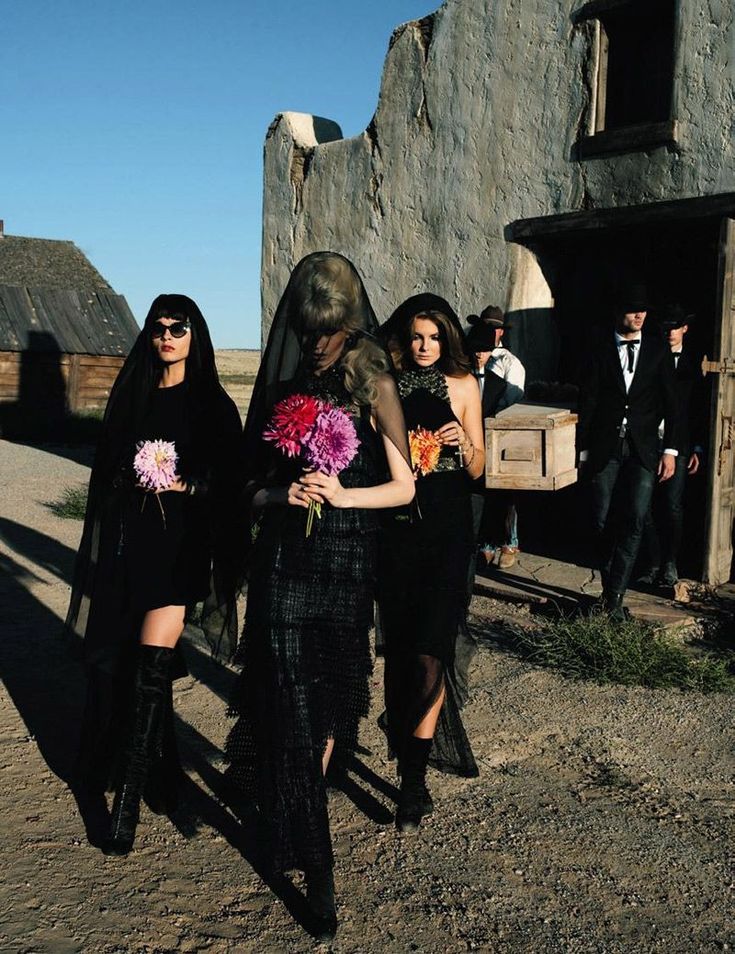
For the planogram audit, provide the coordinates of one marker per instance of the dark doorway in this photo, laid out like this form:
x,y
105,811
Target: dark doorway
x,y
678,263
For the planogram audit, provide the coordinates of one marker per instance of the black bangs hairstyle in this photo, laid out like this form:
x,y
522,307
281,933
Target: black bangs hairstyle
x,y
142,369
200,365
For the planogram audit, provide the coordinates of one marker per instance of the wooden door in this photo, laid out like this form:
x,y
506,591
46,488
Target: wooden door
x,y
721,475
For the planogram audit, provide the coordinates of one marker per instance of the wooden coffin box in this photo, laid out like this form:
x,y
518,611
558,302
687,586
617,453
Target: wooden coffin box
x,y
529,447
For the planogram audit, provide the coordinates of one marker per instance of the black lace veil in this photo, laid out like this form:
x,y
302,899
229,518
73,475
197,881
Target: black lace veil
x,y
216,428
286,356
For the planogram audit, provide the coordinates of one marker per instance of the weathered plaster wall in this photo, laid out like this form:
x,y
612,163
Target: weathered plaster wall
x,y
480,105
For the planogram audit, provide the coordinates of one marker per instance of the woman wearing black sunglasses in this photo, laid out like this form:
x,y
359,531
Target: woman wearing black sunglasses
x,y
147,557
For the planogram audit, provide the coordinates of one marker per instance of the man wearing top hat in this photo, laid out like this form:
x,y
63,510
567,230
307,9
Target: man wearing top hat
x,y
664,524
628,388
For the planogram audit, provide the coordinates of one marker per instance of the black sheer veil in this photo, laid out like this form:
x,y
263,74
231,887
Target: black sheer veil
x,y
413,306
285,359
216,428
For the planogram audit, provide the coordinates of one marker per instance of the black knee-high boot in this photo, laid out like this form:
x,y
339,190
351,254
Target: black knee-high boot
x,y
414,800
320,895
150,690
161,793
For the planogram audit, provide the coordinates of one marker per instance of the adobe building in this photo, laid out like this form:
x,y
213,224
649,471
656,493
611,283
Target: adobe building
x,y
533,155
64,332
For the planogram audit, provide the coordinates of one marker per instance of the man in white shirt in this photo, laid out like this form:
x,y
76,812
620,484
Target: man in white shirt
x,y
499,530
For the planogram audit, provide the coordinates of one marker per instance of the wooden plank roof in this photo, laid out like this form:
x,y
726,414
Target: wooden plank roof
x,y
53,299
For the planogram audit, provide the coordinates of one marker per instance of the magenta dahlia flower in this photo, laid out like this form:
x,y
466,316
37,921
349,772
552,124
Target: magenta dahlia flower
x,y
333,442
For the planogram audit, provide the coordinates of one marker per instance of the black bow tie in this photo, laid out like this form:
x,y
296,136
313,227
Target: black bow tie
x,y
634,341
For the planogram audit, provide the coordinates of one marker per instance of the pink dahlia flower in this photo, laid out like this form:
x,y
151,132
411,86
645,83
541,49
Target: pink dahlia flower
x,y
155,464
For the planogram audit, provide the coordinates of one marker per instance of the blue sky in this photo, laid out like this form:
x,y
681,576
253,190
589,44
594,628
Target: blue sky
x,y
136,130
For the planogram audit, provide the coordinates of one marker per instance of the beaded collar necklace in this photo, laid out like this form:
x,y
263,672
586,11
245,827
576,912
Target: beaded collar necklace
x,y
429,379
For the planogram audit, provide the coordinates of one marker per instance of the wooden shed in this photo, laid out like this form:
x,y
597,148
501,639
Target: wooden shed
x,y
64,332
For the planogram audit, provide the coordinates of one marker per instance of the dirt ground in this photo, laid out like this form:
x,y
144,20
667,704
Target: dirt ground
x,y
602,820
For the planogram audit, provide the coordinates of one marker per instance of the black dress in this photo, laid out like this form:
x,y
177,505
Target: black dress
x,y
306,651
424,557
154,549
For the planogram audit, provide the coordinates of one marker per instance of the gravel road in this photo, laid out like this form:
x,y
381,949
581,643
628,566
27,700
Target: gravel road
x,y
602,820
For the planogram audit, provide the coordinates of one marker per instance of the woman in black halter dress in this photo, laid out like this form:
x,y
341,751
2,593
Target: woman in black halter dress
x,y
425,554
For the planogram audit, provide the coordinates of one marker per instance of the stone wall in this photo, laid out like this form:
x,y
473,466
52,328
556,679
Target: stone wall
x,y
480,107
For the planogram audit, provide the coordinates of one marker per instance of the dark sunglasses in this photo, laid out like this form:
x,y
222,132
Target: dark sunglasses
x,y
178,329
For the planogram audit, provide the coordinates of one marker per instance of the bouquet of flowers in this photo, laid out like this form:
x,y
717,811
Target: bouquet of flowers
x,y
425,449
154,465
321,434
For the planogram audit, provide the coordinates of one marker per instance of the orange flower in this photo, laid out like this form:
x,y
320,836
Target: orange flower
x,y
425,450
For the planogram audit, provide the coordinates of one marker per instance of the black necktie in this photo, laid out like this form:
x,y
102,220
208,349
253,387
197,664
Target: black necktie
x,y
631,356
630,345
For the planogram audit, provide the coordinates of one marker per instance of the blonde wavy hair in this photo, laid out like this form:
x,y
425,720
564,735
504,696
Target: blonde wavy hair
x,y
327,297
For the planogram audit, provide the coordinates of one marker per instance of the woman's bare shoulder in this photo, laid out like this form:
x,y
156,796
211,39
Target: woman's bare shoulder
x,y
463,385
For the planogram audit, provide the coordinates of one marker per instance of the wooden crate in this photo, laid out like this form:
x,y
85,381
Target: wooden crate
x,y
528,447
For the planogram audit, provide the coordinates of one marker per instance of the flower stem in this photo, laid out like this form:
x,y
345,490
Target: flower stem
x,y
314,508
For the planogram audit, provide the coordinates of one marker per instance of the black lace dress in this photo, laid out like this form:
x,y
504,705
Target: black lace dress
x,y
305,651
424,557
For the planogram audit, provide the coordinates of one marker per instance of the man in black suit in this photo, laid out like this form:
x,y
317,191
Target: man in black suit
x,y
663,530
628,388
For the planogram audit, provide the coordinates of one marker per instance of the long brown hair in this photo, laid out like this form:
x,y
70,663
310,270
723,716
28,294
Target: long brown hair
x,y
453,360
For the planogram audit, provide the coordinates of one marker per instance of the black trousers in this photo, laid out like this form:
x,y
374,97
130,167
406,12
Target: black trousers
x,y
662,532
620,497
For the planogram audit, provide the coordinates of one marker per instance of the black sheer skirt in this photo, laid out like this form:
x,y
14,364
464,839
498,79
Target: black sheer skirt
x,y
422,597
306,662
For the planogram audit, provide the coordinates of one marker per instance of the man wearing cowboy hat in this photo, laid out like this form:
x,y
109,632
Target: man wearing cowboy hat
x,y
627,390
501,378
664,524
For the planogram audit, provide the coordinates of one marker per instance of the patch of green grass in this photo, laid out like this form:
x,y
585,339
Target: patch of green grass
x,y
72,505
631,653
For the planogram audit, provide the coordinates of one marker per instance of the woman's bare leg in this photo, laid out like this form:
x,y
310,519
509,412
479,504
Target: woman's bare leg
x,y
427,727
328,749
163,627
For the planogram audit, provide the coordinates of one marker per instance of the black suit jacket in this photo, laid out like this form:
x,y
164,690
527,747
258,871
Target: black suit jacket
x,y
691,396
604,402
492,393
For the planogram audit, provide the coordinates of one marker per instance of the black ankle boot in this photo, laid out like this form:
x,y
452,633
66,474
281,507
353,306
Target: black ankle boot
x,y
150,688
612,604
414,800
320,895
